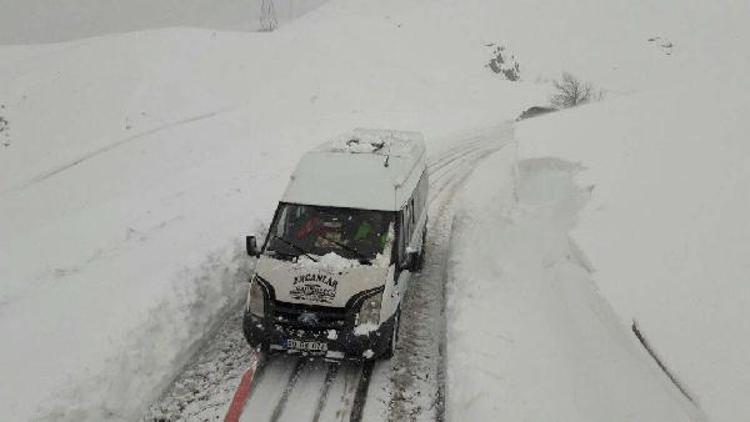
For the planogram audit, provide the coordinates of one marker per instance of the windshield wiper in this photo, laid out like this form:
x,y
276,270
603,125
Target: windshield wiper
x,y
295,247
362,256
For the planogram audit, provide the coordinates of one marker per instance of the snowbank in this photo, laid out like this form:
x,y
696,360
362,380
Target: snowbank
x,y
529,336
137,161
666,229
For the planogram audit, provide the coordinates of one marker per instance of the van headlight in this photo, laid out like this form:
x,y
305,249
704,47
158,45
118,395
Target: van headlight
x,y
256,299
369,313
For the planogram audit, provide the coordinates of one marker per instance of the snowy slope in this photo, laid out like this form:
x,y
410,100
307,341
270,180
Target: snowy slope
x,y
47,21
666,229
138,161
663,168
529,336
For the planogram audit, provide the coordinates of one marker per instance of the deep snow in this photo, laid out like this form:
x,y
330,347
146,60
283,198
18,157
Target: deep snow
x,y
139,160
136,162
666,229
529,335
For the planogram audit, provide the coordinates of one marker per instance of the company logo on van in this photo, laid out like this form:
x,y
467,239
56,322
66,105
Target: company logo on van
x,y
308,318
320,288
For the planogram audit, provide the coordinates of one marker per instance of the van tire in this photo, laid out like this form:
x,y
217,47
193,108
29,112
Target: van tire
x,y
391,350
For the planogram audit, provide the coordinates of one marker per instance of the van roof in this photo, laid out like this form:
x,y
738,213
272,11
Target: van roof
x,y
365,168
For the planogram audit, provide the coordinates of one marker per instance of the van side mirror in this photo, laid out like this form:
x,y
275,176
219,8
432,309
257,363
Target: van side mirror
x,y
411,260
251,245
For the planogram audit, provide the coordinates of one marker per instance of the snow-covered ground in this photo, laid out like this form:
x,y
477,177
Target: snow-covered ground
x,y
666,228
47,21
132,164
653,188
137,161
529,336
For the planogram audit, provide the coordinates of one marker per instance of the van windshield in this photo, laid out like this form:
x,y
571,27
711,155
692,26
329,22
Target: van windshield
x,y
316,230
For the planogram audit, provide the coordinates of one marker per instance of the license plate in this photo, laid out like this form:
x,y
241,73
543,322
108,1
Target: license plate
x,y
307,346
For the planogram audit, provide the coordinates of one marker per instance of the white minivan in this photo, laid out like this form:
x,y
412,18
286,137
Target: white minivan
x,y
335,265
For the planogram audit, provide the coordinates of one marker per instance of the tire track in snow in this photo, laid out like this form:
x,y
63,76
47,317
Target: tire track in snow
x,y
111,146
333,370
362,388
293,378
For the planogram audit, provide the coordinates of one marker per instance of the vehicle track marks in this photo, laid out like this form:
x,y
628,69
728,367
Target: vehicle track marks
x,y
293,378
361,396
333,370
112,146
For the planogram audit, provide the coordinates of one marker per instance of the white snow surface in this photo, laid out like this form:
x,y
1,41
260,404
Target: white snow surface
x,y
48,21
663,165
666,229
138,161
400,143
330,262
529,336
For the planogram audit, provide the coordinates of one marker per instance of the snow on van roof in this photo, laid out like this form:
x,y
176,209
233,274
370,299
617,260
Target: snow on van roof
x,y
396,143
365,168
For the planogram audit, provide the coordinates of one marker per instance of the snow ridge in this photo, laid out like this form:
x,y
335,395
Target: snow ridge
x,y
529,335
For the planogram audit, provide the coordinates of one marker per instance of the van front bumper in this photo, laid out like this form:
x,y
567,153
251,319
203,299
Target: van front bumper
x,y
340,343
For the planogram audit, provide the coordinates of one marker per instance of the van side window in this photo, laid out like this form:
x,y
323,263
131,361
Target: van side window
x,y
407,223
402,236
410,215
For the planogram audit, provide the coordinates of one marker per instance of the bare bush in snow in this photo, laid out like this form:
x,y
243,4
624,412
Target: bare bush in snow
x,y
504,62
572,92
268,20
662,43
4,130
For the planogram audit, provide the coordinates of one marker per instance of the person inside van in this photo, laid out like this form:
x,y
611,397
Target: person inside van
x,y
347,232
371,234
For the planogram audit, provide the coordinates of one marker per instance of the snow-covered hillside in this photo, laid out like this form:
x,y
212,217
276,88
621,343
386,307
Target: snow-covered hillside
x,y
529,336
48,21
663,170
131,165
138,161
666,228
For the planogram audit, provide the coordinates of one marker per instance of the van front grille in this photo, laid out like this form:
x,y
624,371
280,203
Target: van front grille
x,y
300,316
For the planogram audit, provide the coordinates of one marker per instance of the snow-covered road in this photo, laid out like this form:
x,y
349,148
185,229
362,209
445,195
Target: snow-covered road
x,y
409,387
132,164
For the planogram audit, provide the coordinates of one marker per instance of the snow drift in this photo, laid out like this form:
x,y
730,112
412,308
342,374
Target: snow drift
x,y
135,162
666,230
529,336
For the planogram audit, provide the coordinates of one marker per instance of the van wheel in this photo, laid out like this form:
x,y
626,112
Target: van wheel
x,y
391,350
